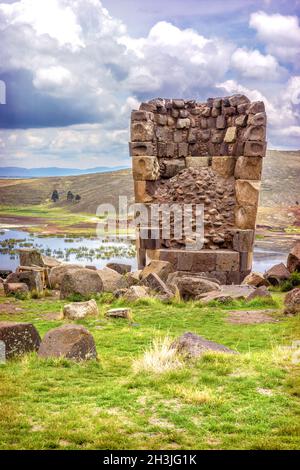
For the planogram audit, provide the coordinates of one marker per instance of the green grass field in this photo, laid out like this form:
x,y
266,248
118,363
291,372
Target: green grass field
x,y
245,401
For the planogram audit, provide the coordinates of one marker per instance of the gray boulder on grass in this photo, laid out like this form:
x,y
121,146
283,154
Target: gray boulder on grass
x,y
83,282
192,345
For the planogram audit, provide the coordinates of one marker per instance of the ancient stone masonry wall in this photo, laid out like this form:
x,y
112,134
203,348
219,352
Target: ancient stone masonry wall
x,y
210,153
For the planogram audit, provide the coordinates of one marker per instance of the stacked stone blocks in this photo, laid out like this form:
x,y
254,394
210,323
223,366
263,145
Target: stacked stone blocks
x,y
210,153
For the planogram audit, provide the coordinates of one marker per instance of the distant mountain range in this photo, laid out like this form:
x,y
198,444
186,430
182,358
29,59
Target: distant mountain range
x,y
18,172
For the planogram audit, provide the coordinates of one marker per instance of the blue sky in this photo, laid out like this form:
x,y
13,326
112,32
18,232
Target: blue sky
x,y
74,70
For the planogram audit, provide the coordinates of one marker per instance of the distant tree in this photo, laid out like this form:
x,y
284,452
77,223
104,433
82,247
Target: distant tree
x,y
70,196
77,198
55,196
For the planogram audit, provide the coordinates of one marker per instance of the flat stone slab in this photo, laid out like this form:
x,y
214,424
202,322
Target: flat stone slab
x,y
193,345
119,313
227,293
251,317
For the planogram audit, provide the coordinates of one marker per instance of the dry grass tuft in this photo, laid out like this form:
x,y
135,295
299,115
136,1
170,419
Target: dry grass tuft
x,y
159,358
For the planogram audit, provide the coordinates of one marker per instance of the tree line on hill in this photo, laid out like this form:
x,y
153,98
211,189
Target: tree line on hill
x,y
70,196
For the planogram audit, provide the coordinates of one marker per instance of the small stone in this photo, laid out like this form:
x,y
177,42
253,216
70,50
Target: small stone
x,y
119,313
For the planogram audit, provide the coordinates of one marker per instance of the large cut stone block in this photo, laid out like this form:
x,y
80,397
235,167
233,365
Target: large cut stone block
x,y
246,259
142,116
245,217
247,192
243,240
142,131
255,149
256,133
230,135
248,168
197,162
142,148
259,119
227,260
145,168
223,166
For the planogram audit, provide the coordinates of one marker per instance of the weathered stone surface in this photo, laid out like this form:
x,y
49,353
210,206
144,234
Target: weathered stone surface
x,y
142,148
18,338
247,192
197,162
58,272
141,192
134,293
110,279
194,346
142,131
170,167
83,282
70,341
161,268
243,240
255,149
256,107
78,310
241,120
276,274
121,268
142,116
221,122
256,280
30,257
248,168
13,288
31,278
258,119
293,261
227,260
245,216
292,302
236,100
256,133
154,282
228,293
261,291
223,166
183,123
119,313
231,135
145,168
246,260
191,286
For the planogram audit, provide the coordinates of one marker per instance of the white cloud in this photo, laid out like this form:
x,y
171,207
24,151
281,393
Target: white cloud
x,y
254,64
280,33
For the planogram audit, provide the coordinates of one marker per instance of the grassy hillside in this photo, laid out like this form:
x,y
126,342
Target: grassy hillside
x,y
94,189
280,190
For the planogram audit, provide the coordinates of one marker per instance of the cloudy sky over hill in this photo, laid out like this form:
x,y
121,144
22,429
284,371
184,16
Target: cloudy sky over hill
x,y
74,69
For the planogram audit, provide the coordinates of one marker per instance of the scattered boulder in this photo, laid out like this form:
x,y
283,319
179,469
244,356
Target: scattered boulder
x,y
83,282
191,285
192,345
135,293
121,268
261,291
13,288
119,313
293,261
255,280
154,282
78,310
30,257
33,279
227,293
19,338
69,341
292,302
109,278
161,268
277,274
128,280
58,272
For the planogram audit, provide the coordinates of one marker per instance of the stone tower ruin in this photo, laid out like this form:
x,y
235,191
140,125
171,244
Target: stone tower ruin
x,y
210,153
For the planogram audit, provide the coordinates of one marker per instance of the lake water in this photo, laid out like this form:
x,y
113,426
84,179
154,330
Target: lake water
x,y
99,252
